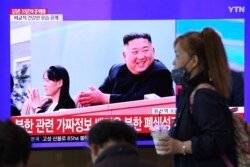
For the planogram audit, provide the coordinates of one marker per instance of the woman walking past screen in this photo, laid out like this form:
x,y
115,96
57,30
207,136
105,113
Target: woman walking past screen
x,y
202,133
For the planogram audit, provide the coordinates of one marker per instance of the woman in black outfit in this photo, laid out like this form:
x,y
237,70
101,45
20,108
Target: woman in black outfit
x,y
56,88
202,133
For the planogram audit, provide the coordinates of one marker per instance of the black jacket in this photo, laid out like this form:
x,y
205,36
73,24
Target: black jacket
x,y
125,86
208,125
121,155
67,104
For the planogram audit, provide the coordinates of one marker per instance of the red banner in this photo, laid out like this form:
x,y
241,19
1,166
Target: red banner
x,y
80,124
74,125
28,11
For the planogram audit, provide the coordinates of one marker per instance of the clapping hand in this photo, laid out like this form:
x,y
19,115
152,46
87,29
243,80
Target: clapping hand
x,y
35,100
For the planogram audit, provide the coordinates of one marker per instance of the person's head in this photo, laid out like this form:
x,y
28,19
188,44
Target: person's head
x,y
15,145
56,82
138,52
203,51
107,133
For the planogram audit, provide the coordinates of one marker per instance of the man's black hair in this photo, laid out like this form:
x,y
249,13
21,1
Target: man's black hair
x,y
15,144
130,37
115,130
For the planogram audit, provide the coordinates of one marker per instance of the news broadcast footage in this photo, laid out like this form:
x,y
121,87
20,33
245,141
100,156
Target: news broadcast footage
x,y
86,38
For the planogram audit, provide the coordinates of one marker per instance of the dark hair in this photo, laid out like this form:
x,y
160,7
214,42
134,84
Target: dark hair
x,y
217,61
130,37
15,144
115,130
11,83
208,46
55,73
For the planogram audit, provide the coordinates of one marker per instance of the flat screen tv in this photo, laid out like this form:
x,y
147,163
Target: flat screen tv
x,y
86,38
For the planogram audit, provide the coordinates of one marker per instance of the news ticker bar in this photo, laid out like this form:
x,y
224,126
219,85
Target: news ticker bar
x,y
81,124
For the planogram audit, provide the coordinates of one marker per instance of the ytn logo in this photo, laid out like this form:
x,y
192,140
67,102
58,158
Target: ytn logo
x,y
236,9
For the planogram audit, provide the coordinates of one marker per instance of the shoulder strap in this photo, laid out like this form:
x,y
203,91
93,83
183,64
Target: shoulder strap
x,y
200,86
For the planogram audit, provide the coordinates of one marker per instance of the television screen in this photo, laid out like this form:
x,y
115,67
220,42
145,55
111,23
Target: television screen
x,y
86,38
